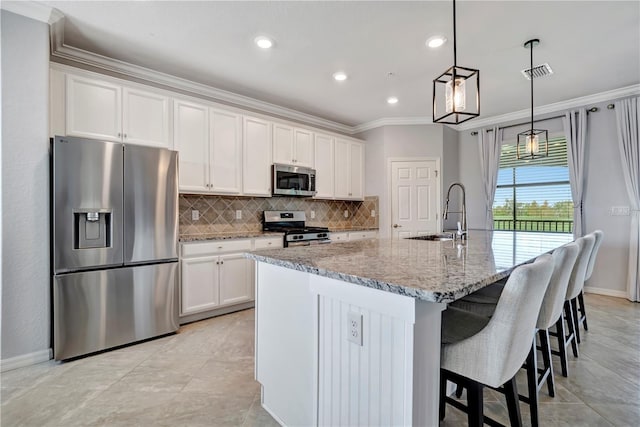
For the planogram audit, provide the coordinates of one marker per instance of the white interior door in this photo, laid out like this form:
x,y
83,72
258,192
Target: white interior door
x,y
415,195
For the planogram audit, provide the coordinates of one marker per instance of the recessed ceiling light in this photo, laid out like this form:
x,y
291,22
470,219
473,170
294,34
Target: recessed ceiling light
x,y
263,42
340,76
392,100
436,41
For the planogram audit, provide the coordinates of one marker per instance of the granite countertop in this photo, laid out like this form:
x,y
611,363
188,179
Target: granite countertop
x,y
232,235
437,271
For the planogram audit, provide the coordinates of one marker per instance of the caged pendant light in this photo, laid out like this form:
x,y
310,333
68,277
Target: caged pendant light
x,y
456,92
532,143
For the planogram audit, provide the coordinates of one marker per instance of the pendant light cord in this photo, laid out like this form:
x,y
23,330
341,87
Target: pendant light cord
x,y
531,77
455,62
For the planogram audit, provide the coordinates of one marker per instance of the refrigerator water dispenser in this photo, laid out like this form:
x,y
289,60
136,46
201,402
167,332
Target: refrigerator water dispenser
x,y
92,229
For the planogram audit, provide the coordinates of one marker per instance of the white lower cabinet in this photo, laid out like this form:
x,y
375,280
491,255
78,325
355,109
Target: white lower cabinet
x,y
362,235
215,274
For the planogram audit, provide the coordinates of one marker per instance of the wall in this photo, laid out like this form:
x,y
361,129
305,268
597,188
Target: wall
x,y
25,189
450,174
604,187
389,142
217,213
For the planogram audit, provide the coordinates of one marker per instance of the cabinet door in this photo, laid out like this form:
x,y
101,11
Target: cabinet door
x,y
342,168
191,139
356,169
256,171
283,144
93,109
226,152
303,148
200,286
236,280
145,118
324,166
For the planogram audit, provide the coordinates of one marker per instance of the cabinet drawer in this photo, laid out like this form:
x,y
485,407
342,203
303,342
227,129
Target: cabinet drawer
x,y
215,247
339,237
361,235
268,242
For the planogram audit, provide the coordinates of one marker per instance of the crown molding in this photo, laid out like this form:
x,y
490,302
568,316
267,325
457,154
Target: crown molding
x,y
33,10
60,50
392,121
552,108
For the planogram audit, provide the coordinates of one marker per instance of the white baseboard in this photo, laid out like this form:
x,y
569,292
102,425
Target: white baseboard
x,y
607,292
25,360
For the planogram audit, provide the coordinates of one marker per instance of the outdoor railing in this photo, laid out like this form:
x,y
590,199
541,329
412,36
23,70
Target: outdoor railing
x,y
553,226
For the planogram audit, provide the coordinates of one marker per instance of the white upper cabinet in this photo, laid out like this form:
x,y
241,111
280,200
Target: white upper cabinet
x,y
356,162
324,161
303,148
145,118
283,144
292,146
102,110
256,170
349,169
225,152
94,109
191,139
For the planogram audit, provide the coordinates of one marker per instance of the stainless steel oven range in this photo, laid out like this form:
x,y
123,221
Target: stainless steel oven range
x,y
292,224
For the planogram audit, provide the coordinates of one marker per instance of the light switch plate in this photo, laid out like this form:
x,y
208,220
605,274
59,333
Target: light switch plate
x,y
195,215
373,213
346,213
238,214
313,214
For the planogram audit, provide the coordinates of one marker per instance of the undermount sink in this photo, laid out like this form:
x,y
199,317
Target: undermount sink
x,y
434,237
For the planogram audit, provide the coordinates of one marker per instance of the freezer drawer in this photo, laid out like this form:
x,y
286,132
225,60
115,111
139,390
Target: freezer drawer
x,y
97,310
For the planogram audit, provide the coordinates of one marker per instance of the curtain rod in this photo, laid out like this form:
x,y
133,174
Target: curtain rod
x,y
590,110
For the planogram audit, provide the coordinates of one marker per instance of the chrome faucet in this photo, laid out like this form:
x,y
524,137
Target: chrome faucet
x,y
462,230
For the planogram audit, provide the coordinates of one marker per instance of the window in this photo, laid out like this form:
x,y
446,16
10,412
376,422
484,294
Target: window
x,y
534,195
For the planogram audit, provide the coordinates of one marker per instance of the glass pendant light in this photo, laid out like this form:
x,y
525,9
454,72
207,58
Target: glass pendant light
x,y
532,143
456,92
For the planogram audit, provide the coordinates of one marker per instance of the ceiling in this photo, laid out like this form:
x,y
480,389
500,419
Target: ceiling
x,y
592,47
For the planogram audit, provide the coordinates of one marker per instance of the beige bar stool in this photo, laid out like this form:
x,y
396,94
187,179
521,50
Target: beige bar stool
x,y
474,356
564,259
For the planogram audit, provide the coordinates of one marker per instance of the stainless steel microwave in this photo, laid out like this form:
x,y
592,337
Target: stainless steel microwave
x,y
293,181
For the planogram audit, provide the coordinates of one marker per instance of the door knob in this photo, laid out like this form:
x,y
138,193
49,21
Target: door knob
x,y
396,226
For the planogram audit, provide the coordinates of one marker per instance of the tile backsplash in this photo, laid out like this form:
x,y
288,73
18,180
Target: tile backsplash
x,y
218,213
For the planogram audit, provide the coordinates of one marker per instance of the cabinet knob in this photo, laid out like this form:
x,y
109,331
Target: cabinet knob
x,y
217,262
221,262
397,226
119,134
219,247
125,135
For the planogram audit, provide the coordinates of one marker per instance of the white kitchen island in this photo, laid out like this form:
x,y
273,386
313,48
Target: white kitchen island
x,y
311,300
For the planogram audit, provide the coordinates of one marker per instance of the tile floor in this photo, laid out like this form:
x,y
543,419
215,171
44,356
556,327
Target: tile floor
x,y
204,376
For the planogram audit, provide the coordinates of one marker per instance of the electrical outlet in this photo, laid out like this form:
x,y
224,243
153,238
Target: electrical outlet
x,y
238,214
195,215
619,210
313,214
354,328
373,213
346,213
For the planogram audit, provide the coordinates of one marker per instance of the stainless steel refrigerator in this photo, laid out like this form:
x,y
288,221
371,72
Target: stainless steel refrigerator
x,y
114,244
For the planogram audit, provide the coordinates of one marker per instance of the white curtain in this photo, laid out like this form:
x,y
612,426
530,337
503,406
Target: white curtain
x,y
575,130
628,123
490,143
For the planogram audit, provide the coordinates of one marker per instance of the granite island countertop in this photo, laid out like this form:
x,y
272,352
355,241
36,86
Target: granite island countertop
x,y
437,271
